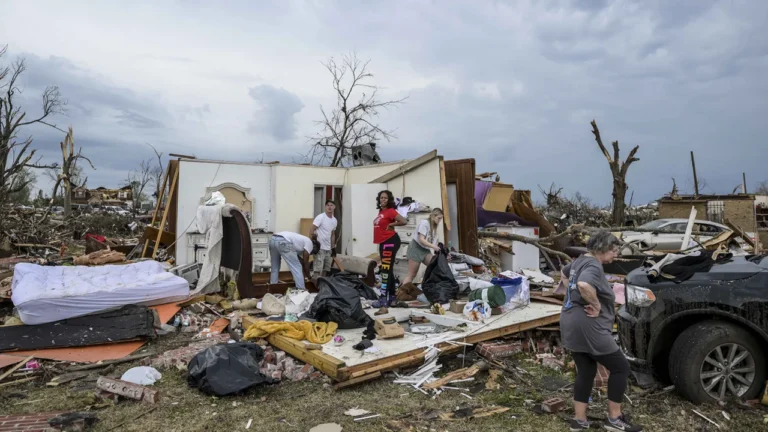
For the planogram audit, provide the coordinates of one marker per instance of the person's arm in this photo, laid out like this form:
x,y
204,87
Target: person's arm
x,y
422,240
305,263
313,231
333,241
399,221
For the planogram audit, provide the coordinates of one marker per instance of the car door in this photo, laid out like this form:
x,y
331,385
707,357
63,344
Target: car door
x,y
710,230
670,241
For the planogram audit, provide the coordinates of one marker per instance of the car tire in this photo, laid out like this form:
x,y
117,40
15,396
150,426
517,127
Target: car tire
x,y
692,347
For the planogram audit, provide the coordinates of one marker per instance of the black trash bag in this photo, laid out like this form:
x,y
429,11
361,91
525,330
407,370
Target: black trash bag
x,y
438,285
353,281
227,369
338,301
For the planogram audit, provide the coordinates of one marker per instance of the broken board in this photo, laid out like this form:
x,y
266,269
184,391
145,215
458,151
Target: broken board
x,y
343,363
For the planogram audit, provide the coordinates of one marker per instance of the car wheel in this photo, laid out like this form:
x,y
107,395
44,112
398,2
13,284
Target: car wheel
x,y
714,361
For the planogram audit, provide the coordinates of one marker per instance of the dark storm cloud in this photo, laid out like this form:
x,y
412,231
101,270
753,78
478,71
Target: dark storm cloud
x,y
275,112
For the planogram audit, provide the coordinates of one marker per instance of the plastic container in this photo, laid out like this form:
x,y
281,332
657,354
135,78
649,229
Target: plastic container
x,y
511,287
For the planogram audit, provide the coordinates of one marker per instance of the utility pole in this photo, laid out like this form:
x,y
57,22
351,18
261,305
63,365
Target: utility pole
x,y
744,182
695,179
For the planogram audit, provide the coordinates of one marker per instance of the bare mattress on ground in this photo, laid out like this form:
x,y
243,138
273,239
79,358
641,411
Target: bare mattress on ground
x,y
44,294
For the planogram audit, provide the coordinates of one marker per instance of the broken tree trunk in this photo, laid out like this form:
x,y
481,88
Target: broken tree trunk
x,y
619,174
523,239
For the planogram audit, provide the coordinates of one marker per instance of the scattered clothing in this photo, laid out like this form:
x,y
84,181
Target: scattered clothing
x,y
325,226
679,268
318,332
580,332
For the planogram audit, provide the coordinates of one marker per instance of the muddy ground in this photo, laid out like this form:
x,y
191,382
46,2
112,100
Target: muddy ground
x,y
303,405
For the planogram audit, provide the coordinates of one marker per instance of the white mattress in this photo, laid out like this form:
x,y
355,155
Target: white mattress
x,y
45,294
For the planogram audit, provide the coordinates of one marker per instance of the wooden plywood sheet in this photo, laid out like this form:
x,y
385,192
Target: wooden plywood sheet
x,y
498,197
393,347
305,226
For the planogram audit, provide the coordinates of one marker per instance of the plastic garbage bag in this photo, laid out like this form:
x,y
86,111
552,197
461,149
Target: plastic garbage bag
x,y
142,375
351,280
272,305
338,301
227,369
439,285
477,310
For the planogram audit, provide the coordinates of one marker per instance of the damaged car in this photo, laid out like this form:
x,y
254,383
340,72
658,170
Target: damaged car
x,y
706,332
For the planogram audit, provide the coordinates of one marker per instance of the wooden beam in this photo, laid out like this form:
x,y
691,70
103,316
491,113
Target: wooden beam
x,y
355,381
165,214
166,237
421,160
15,367
327,364
739,232
444,196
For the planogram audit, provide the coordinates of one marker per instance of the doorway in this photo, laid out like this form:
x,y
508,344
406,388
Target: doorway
x,y
330,192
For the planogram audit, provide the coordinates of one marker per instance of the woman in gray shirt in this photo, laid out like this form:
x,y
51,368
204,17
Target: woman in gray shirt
x,y
586,325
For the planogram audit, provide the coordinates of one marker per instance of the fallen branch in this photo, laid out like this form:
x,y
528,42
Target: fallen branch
x,y
523,239
108,362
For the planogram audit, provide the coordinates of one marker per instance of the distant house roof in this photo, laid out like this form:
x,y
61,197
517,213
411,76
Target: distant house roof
x,y
702,198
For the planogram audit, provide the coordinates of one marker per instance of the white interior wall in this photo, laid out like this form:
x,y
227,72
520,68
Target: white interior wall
x,y
196,176
294,192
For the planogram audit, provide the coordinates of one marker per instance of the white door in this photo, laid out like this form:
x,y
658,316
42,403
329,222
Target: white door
x,y
359,211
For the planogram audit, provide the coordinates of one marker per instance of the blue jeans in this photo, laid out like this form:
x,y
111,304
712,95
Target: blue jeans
x,y
280,247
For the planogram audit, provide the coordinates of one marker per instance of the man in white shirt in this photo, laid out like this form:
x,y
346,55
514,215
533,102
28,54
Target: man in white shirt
x,y
324,230
295,249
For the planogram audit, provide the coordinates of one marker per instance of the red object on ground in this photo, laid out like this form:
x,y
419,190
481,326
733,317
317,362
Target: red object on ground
x,y
26,422
99,238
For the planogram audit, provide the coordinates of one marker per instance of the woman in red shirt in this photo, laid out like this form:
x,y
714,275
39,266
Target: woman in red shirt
x,y
385,236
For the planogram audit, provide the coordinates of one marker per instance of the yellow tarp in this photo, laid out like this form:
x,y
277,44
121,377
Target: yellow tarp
x,y
318,332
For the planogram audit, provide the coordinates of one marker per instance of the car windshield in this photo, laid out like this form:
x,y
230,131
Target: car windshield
x,y
653,224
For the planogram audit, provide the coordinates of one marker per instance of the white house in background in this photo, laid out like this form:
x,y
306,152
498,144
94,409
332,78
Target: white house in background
x,y
276,197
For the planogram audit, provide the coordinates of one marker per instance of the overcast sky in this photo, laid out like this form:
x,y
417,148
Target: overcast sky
x,y
512,84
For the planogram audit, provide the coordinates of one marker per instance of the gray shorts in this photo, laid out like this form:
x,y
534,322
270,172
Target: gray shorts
x,y
417,252
322,262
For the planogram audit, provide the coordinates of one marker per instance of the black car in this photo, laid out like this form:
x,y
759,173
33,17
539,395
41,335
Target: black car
x,y
708,335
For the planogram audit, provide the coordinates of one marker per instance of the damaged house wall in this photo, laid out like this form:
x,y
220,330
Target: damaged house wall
x,y
739,209
283,194
196,176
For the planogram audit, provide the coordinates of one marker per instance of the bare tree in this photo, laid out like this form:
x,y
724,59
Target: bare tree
x,y
15,154
65,176
353,121
762,188
157,171
619,174
138,180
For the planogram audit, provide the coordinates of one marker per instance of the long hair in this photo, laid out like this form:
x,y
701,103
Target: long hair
x,y
390,200
432,224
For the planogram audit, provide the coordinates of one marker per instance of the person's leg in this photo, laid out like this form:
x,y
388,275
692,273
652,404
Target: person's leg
x,y
618,366
391,288
327,262
586,368
274,256
413,268
428,259
317,264
288,253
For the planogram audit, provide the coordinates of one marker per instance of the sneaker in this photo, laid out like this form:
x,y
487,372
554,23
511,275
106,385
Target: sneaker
x,y
579,425
621,424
